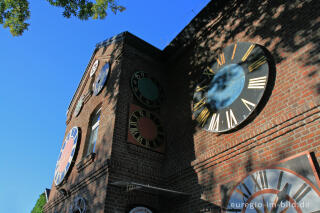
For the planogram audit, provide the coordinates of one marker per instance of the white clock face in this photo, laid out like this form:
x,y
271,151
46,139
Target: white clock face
x,y
94,67
274,191
140,209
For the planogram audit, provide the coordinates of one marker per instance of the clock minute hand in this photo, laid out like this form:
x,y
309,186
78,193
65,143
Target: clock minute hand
x,y
281,196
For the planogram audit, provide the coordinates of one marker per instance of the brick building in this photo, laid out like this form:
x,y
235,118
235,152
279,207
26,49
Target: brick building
x,y
144,133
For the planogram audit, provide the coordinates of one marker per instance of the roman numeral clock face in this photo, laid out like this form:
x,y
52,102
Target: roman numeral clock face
x,y
231,88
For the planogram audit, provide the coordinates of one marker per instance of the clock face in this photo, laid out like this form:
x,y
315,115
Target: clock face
x,y
78,107
146,89
231,88
66,155
278,190
140,209
101,79
145,129
94,68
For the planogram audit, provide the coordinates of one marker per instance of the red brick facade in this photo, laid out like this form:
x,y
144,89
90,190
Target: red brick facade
x,y
196,161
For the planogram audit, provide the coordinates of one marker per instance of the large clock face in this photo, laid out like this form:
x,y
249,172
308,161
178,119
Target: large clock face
x,y
146,89
278,190
66,155
145,129
231,88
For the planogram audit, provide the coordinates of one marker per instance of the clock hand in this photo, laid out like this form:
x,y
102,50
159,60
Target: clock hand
x,y
281,196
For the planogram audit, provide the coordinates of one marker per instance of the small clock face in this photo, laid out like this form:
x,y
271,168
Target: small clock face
x,y
94,68
78,107
230,89
146,89
140,209
145,129
101,79
66,155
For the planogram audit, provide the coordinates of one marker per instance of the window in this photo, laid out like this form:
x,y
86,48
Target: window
x,y
93,129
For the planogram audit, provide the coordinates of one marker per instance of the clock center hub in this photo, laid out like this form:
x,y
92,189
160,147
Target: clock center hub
x,y
148,89
147,128
226,86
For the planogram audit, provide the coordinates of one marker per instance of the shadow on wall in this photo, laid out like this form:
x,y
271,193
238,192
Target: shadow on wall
x,y
284,28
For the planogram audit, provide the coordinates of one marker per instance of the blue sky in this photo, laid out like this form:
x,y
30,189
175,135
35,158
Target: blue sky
x,y
41,70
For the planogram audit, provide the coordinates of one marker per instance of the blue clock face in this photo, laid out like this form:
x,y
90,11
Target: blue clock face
x,y
101,79
231,87
66,155
225,87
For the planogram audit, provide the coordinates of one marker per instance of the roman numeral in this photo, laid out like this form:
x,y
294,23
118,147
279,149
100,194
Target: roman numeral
x,y
255,65
257,83
200,104
246,192
214,123
208,71
302,191
246,55
247,104
280,180
203,116
234,51
222,60
262,176
198,89
231,119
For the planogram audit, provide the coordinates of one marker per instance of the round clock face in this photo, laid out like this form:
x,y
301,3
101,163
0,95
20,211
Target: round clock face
x,y
274,190
94,68
140,209
146,129
78,107
146,89
231,88
101,80
66,155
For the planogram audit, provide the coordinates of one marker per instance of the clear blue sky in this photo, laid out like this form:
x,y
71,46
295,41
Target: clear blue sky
x,y
40,72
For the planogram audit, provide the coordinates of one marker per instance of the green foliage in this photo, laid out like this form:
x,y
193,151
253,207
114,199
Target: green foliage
x,y
39,205
15,13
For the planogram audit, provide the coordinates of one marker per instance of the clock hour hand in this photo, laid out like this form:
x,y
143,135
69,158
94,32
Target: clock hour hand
x,y
281,196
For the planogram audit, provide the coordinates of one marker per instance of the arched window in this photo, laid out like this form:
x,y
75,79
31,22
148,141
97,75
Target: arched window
x,y
93,131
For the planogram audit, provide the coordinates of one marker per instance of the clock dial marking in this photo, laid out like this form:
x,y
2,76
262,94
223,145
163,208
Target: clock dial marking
x,y
222,60
255,65
208,71
280,180
200,104
231,119
214,123
246,55
234,51
257,83
247,104
203,116
302,191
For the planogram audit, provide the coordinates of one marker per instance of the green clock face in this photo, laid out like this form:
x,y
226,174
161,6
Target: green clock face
x,y
231,88
146,89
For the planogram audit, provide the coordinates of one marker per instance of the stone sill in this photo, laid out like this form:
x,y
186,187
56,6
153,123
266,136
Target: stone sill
x,y
86,161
